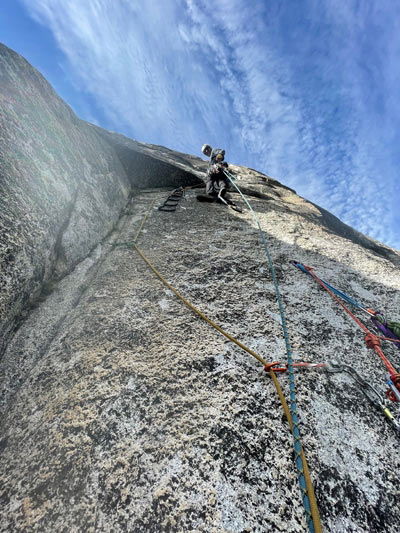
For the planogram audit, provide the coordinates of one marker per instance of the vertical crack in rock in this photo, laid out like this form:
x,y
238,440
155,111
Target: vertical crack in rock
x,y
79,280
59,261
44,157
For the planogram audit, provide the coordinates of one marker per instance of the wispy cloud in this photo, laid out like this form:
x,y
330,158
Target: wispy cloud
x,y
306,93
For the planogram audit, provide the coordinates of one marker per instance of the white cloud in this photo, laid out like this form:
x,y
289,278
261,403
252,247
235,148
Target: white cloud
x,y
183,73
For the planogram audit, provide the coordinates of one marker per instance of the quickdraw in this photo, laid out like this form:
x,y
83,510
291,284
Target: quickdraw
x,y
364,387
271,367
368,390
373,396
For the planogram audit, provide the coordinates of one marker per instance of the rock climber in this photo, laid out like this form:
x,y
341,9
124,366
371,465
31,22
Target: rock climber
x,y
217,182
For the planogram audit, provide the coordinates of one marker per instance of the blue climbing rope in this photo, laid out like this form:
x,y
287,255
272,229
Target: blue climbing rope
x,y
298,449
341,294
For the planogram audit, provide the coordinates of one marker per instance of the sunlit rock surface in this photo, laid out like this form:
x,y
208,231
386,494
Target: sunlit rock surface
x,y
123,411
62,186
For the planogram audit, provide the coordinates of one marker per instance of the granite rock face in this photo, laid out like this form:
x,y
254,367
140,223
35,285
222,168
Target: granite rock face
x,y
62,186
154,165
123,411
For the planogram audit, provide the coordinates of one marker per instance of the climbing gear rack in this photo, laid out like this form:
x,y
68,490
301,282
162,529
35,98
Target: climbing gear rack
x,y
371,340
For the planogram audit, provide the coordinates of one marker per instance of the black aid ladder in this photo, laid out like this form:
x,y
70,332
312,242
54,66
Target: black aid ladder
x,y
171,203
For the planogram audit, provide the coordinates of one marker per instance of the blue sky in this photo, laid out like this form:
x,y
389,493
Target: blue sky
x,y
306,91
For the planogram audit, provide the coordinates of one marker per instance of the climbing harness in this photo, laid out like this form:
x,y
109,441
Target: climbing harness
x,y
307,491
372,341
309,502
171,203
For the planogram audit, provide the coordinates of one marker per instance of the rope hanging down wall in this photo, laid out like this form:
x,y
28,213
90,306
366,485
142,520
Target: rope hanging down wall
x,y
371,340
307,491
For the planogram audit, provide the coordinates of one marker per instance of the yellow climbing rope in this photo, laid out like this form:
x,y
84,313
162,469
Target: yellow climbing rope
x,y
196,310
144,219
310,489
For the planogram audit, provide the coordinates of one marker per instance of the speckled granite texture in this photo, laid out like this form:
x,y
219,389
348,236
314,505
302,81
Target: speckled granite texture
x,y
127,413
123,411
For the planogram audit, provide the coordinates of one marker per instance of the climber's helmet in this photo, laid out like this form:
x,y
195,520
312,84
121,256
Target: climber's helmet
x,y
219,157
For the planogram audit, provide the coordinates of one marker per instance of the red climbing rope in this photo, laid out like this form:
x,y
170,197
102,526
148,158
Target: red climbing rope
x,y
371,340
271,367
